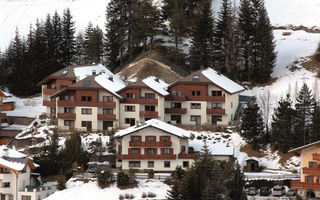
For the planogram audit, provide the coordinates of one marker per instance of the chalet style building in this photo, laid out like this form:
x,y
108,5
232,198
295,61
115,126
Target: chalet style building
x,y
309,184
91,98
16,180
155,145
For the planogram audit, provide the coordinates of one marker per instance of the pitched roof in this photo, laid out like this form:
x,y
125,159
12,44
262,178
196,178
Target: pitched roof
x,y
210,76
299,149
13,159
156,124
155,84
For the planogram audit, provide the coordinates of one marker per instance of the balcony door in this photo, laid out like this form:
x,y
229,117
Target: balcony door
x,y
107,124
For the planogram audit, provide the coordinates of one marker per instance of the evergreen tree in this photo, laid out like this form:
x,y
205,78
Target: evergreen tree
x,y
303,118
282,125
79,56
201,50
236,184
68,38
252,128
57,42
315,126
93,44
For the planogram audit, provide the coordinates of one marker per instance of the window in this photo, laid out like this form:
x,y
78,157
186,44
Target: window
x,y
149,95
134,163
216,105
87,83
86,98
195,93
107,111
166,163
150,108
68,110
175,105
195,105
69,123
52,110
165,139
107,98
135,138
231,104
68,98
5,171
176,93
185,164
309,179
216,93
166,151
130,121
150,139
86,111
176,118
6,184
130,95
25,197
195,117
87,124
150,163
183,149
134,151
94,72
150,151
195,77
312,165
129,108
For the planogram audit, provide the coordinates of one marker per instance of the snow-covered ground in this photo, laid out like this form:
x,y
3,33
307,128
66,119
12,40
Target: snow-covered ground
x,y
82,191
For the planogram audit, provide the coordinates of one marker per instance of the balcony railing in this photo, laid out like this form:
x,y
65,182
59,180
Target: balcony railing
x,y
149,113
216,98
140,101
106,104
217,111
66,103
67,115
87,103
311,171
189,156
305,185
49,91
3,115
147,157
106,117
176,98
49,103
316,156
176,110
150,144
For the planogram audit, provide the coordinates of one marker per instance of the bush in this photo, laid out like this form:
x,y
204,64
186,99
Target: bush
x,y
127,196
132,196
132,176
104,178
151,173
144,195
61,182
121,197
122,179
152,195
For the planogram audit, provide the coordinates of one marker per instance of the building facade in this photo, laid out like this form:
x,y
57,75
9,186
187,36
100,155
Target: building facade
x,y
309,184
153,145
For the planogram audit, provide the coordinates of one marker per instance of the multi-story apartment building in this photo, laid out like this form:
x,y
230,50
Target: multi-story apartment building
x,y
16,179
93,98
155,145
309,184
91,104
142,100
202,98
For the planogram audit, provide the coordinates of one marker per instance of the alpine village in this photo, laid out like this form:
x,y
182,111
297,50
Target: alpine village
x,y
159,100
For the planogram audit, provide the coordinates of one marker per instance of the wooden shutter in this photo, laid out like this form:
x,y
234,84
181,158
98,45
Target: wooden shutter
x,y
171,151
154,138
139,151
155,151
160,139
130,150
162,151
169,138
131,139
146,139
139,138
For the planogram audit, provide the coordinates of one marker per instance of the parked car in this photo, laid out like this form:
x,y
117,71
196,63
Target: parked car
x,y
291,192
278,190
252,191
265,191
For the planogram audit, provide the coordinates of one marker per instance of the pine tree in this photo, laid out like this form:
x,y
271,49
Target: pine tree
x,y
303,118
93,44
252,127
68,38
282,129
315,126
79,56
57,42
201,50
236,184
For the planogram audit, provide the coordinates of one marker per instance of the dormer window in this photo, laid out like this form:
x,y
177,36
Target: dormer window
x,y
94,72
195,77
64,73
130,95
86,83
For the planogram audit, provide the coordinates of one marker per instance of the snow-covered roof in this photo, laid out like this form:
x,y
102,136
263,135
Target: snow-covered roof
x,y
156,124
157,85
12,159
253,158
221,150
222,81
305,146
84,71
110,82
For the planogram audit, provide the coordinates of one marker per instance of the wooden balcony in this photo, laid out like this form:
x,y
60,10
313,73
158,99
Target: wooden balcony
x,y
189,156
106,117
49,103
176,98
305,185
316,156
149,114
216,98
176,110
216,111
146,157
106,104
3,115
66,103
49,91
67,115
150,144
311,171
140,101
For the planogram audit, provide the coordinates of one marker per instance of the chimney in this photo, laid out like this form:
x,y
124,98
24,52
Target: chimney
x,y
157,79
111,78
